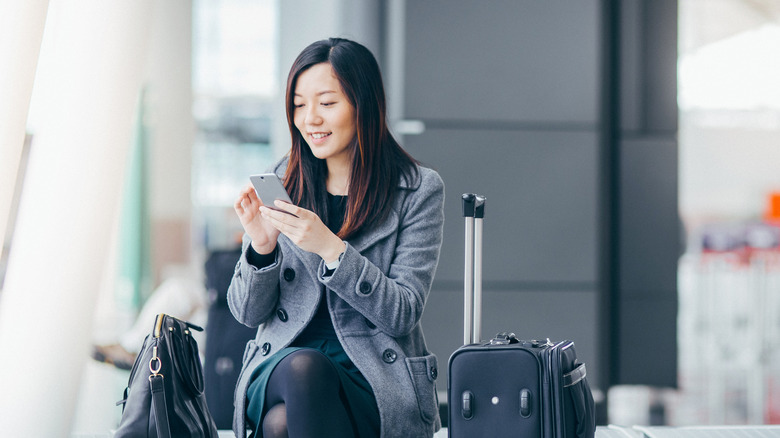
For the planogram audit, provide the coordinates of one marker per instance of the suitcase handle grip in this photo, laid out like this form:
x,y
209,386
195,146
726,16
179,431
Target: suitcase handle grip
x,y
479,207
473,205
469,201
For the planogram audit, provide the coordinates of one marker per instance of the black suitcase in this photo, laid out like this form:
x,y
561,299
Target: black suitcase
x,y
508,387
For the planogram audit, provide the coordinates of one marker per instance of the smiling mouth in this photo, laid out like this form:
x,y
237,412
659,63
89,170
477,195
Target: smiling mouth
x,y
319,135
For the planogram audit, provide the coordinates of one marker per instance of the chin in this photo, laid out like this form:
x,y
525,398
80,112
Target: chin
x,y
319,153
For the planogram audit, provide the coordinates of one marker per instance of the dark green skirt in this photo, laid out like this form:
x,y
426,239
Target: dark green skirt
x,y
356,393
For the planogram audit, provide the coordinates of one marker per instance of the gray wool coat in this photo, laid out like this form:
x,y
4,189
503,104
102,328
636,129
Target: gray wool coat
x,y
376,298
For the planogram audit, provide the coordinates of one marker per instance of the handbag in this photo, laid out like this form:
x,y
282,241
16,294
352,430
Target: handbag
x,y
164,395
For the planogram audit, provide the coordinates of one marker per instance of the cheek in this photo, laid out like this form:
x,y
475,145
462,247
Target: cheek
x,y
351,128
347,122
298,122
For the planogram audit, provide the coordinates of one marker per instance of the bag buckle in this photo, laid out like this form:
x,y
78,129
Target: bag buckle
x,y
155,364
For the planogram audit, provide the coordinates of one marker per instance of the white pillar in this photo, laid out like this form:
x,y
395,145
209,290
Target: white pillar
x,y
96,49
21,31
171,132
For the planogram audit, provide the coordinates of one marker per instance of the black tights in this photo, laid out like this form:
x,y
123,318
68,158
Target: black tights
x,y
302,399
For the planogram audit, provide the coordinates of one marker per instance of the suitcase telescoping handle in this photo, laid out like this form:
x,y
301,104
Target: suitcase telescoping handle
x,y
473,212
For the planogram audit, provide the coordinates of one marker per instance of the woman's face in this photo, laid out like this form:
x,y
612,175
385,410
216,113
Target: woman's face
x,y
323,114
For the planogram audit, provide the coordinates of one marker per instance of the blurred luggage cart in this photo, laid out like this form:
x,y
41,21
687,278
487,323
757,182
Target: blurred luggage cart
x,y
729,326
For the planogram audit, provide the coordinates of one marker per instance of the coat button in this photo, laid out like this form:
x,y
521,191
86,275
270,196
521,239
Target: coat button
x,y
282,314
389,355
370,324
289,274
434,373
265,349
365,288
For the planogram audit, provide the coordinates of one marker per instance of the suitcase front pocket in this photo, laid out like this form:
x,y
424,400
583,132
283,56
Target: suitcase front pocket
x,y
494,392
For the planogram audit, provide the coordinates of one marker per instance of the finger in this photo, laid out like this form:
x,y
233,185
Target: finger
x,y
289,208
246,190
244,195
249,198
275,215
252,194
239,204
278,220
284,215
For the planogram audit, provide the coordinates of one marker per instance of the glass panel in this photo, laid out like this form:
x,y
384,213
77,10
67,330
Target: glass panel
x,y
235,82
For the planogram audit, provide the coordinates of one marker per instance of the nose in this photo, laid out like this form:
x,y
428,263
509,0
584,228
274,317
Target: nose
x,y
312,115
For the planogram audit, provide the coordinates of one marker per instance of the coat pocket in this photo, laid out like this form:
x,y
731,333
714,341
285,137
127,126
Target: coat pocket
x,y
423,371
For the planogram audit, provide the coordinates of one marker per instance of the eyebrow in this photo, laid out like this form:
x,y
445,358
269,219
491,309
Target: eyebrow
x,y
318,94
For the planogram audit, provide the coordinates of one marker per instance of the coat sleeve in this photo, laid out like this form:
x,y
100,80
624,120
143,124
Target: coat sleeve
x,y
394,301
253,292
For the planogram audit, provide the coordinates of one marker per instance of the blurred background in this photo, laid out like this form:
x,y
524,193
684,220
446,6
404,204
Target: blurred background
x,y
629,151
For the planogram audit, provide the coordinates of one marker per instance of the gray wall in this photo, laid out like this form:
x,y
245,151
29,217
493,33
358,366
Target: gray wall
x,y
560,113
509,94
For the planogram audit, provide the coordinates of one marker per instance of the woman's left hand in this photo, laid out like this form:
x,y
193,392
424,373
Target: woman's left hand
x,y
305,229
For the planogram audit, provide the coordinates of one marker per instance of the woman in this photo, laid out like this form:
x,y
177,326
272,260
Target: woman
x,y
337,287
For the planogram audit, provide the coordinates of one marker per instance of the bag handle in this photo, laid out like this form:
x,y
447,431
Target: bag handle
x,y
184,353
582,399
574,376
159,405
187,364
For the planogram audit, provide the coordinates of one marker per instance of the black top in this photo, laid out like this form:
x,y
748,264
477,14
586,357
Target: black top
x,y
337,209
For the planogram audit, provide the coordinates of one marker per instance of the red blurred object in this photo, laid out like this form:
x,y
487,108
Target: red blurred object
x,y
772,214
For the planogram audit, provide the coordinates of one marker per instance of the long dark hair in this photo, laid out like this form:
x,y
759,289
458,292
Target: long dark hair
x,y
378,161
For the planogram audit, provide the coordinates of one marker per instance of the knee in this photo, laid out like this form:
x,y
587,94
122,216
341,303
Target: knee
x,y
275,422
310,365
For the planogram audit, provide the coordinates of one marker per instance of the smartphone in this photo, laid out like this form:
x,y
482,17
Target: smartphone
x,y
269,188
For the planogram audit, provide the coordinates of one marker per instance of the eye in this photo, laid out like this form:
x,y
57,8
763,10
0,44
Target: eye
x,y
328,103
297,105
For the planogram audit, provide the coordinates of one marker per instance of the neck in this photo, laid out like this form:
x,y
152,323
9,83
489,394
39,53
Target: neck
x,y
338,177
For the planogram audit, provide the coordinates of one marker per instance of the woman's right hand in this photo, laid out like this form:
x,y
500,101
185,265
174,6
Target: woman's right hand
x,y
262,233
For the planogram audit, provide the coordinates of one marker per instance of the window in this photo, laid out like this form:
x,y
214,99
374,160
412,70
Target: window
x,y
235,85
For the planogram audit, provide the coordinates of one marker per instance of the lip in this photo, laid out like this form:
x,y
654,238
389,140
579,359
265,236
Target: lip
x,y
320,140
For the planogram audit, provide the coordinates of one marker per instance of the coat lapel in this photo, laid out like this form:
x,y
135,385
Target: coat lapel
x,y
372,235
